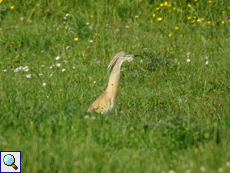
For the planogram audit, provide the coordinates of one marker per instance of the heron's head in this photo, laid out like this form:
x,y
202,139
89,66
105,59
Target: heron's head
x,y
120,58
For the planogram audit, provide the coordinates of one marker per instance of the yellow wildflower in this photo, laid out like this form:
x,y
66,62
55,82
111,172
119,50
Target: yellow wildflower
x,y
161,5
1,1
136,16
189,18
37,5
228,20
60,90
154,15
166,3
158,8
181,35
12,7
95,33
175,3
223,22
210,2
76,39
176,27
170,35
159,19
202,18
209,22
47,97
189,5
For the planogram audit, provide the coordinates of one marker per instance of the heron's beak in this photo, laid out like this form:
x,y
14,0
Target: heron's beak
x,y
130,57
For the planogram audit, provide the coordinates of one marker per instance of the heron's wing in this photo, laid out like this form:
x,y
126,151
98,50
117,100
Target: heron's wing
x,y
102,104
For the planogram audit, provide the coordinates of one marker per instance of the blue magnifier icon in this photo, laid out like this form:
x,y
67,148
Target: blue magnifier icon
x,y
9,160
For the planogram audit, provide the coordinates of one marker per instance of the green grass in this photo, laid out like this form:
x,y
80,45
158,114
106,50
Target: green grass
x,y
170,114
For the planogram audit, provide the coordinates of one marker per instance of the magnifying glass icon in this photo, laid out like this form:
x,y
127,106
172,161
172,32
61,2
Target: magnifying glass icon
x,y
9,160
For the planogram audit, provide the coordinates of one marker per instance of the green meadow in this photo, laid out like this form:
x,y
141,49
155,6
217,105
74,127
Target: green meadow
x,y
172,114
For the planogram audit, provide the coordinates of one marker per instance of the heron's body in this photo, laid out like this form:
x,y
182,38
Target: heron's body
x,y
106,102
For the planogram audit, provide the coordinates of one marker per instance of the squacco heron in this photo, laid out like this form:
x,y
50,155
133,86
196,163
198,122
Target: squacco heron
x,y
106,102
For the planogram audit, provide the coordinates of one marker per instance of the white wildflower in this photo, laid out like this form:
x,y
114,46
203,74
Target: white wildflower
x,y
202,168
73,67
117,30
67,14
4,70
172,171
188,60
127,26
58,64
65,17
141,61
206,57
40,74
16,70
94,81
21,18
90,41
188,53
87,23
67,47
26,68
86,117
51,67
188,171
63,70
57,58
44,84
42,66
220,170
28,75
227,163
206,62
93,117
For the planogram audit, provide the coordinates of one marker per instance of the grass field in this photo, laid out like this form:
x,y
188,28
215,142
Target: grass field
x,y
172,112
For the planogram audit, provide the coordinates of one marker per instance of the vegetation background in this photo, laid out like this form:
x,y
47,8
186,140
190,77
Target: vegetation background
x,y
172,112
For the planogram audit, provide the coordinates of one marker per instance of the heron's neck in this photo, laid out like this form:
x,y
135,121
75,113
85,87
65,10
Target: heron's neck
x,y
114,80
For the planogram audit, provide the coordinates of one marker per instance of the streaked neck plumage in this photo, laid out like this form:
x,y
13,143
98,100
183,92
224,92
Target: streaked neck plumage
x,y
114,80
